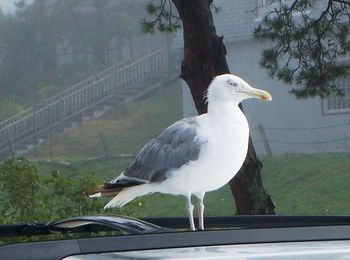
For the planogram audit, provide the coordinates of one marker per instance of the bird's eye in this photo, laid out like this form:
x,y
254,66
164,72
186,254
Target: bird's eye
x,y
233,84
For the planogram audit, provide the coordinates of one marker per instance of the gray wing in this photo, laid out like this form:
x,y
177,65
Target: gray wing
x,y
177,145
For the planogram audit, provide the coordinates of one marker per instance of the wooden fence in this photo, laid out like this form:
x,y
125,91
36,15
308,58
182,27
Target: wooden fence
x,y
27,125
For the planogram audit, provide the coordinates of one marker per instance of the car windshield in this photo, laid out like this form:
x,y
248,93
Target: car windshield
x,y
89,88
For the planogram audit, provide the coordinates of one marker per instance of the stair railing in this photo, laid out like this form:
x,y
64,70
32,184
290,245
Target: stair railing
x,y
53,111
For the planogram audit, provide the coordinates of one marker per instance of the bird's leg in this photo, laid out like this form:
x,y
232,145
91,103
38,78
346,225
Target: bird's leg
x,y
201,211
190,208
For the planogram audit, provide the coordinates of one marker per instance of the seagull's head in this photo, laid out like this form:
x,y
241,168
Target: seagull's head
x,y
232,88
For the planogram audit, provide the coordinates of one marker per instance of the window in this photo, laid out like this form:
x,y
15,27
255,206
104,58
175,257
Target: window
x,y
338,104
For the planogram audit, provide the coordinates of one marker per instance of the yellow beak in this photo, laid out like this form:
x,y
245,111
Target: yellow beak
x,y
260,94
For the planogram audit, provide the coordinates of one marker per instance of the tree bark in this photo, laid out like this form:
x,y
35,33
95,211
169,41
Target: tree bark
x,y
204,58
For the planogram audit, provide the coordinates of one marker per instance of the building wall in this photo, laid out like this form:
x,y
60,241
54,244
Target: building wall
x,y
291,126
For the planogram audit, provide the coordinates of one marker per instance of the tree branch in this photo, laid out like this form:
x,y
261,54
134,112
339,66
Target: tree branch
x,y
304,41
342,2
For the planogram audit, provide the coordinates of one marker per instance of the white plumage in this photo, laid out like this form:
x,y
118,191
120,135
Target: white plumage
x,y
194,155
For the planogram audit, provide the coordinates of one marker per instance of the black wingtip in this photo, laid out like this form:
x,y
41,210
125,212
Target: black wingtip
x,y
122,183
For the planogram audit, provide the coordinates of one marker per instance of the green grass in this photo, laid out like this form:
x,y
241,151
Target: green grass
x,y
309,184
316,184
299,184
217,203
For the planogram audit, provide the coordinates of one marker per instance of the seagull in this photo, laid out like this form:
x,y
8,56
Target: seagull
x,y
194,155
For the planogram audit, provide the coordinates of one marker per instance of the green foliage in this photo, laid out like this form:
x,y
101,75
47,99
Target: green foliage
x,y
46,91
151,9
164,18
64,196
215,8
19,185
28,196
9,107
307,45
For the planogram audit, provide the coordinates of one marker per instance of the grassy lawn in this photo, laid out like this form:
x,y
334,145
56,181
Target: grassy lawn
x,y
316,184
309,184
312,184
299,184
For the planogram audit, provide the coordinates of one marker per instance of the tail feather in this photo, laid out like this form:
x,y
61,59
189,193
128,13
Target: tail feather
x,y
102,191
124,193
127,195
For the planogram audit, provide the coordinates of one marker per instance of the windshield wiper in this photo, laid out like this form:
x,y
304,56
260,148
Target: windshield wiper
x,y
157,225
124,224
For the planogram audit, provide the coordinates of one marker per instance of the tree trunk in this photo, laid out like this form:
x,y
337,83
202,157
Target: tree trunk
x,y
204,58
247,187
75,53
100,41
99,51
